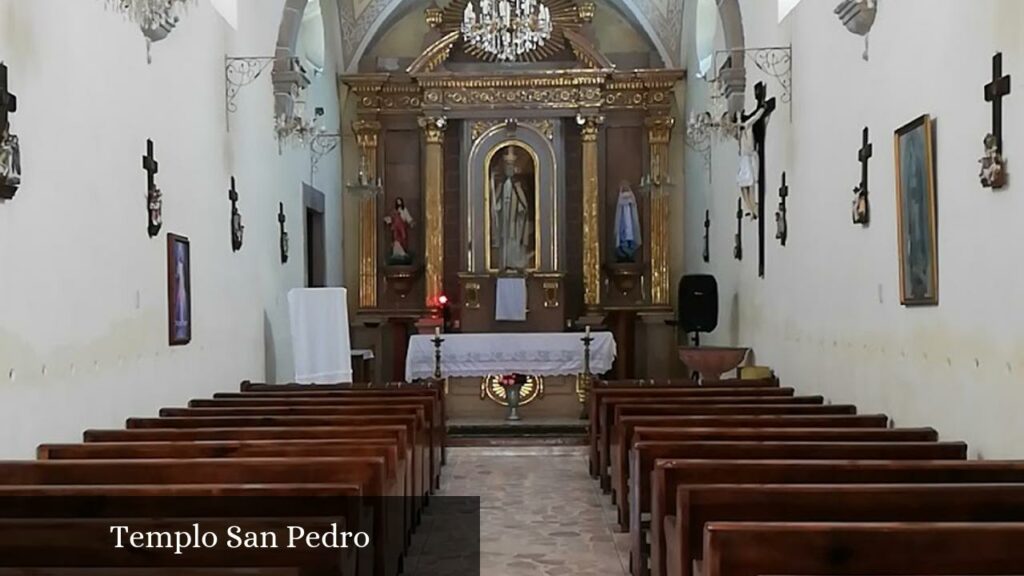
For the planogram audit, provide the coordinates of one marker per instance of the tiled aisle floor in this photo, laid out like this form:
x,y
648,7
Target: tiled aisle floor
x,y
541,514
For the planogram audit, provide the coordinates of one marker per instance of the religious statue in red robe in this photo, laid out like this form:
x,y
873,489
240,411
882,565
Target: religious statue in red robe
x,y
399,222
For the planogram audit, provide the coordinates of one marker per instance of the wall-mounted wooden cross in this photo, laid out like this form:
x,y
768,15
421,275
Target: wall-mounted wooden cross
x,y
281,219
737,248
781,222
707,235
861,201
10,167
236,218
154,199
765,106
994,93
8,101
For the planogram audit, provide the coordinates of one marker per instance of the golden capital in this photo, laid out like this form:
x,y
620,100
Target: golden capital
x,y
367,132
433,127
586,12
590,125
659,129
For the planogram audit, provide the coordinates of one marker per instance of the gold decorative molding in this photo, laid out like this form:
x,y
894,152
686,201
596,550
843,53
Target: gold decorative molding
x,y
434,16
590,127
659,136
367,137
433,131
586,52
565,91
551,299
472,295
435,54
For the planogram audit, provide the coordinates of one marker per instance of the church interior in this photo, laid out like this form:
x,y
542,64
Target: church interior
x,y
512,287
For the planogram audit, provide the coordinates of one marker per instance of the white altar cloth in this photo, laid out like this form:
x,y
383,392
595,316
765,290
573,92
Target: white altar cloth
x,y
539,354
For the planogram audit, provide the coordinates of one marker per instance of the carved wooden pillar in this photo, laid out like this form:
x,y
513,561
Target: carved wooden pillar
x,y
433,202
659,135
368,137
591,210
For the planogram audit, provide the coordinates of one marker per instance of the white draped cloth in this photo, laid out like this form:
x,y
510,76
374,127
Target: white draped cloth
x,y
320,335
539,354
510,300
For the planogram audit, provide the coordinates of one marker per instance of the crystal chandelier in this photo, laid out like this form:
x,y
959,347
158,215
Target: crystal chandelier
x,y
297,131
156,18
507,29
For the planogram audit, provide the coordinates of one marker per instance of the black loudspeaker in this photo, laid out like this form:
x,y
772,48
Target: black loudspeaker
x,y
698,303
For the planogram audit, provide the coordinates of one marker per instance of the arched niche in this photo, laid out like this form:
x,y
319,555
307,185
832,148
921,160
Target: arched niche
x,y
549,193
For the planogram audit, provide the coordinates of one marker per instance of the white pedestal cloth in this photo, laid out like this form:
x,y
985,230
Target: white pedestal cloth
x,y
510,300
543,354
320,338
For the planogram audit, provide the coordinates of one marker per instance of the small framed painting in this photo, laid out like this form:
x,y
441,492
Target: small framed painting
x,y
179,290
917,214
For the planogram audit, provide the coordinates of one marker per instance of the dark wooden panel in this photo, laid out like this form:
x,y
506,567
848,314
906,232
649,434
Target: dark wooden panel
x,y
453,248
573,221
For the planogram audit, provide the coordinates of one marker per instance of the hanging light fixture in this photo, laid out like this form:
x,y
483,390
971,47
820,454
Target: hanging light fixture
x,y
507,29
156,18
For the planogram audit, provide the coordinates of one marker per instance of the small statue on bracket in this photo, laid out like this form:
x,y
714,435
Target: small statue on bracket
x,y
993,165
399,222
10,164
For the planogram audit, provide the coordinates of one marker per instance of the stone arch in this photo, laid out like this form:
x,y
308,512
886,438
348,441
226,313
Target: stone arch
x,y
287,78
734,77
394,10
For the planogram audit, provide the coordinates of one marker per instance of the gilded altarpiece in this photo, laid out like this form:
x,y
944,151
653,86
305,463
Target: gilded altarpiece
x,y
618,124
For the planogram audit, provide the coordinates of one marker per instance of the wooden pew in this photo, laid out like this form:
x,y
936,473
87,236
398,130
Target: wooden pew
x,y
601,393
399,433
916,549
411,423
433,388
430,469
398,473
697,506
620,411
368,473
623,428
434,393
670,474
643,455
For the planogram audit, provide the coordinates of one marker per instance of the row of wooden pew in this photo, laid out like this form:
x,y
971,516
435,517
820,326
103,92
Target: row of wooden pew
x,y
367,457
747,478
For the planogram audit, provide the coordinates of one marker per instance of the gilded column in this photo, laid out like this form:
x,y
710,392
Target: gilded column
x,y
659,135
433,202
591,208
368,136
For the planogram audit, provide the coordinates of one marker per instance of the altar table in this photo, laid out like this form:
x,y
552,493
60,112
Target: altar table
x,y
536,354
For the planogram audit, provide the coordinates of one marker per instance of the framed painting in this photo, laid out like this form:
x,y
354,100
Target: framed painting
x,y
917,214
179,290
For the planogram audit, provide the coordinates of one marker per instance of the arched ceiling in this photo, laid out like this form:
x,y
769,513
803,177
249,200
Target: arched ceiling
x,y
362,20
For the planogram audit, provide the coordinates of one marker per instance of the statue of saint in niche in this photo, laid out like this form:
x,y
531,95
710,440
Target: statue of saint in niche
x,y
512,176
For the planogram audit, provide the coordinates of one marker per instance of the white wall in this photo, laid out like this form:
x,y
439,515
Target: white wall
x,y
83,320
828,317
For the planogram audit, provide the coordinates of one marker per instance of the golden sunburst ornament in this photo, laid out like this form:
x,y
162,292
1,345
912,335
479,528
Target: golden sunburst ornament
x,y
491,387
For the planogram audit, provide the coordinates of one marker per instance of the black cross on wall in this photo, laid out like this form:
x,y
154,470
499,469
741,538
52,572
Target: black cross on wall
x,y
281,219
783,225
8,101
150,165
867,150
707,235
154,201
766,106
737,248
994,93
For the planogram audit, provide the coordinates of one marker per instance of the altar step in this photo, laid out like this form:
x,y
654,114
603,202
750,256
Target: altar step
x,y
521,433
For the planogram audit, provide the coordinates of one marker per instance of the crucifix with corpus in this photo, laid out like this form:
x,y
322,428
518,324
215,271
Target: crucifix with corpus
x,y
753,128
154,198
10,151
707,235
236,218
993,164
781,223
281,219
861,204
